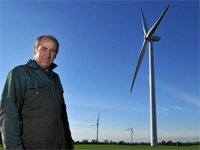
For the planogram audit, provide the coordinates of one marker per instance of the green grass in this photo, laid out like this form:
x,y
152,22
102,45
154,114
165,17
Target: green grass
x,y
132,147
129,147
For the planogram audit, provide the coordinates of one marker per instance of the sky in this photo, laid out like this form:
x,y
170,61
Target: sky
x,y
100,41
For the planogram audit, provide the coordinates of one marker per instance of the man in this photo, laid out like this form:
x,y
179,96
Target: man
x,y
32,110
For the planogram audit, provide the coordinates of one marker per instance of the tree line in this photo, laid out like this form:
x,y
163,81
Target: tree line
x,y
164,143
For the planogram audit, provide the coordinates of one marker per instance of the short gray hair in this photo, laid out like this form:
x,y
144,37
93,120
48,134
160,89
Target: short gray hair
x,y
37,42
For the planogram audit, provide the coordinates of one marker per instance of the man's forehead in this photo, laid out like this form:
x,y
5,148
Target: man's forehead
x,y
47,41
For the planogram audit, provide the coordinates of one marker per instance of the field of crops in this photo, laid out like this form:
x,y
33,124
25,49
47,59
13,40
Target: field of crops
x,y
129,147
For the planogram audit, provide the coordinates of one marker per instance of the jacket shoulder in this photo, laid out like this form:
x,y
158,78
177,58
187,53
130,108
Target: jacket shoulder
x,y
20,68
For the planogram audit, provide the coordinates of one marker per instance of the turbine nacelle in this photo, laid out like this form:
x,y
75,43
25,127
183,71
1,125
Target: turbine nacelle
x,y
153,38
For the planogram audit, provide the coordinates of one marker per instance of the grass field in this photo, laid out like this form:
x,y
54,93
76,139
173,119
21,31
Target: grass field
x,y
132,147
129,147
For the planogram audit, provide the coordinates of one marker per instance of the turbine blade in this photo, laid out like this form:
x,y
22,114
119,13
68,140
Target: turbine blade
x,y
142,51
98,118
155,26
144,24
127,129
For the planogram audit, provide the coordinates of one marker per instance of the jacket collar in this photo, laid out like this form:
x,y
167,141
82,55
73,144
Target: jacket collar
x,y
34,65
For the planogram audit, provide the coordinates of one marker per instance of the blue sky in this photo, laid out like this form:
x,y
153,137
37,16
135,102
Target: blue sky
x,y
100,43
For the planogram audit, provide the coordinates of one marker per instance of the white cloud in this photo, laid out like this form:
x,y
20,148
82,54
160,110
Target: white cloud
x,y
163,108
178,93
173,108
178,108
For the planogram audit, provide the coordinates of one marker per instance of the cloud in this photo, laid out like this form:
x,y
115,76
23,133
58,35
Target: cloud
x,y
173,108
163,108
178,108
179,93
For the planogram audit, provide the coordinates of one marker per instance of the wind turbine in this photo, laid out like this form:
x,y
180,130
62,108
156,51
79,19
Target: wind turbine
x,y
98,128
150,38
132,133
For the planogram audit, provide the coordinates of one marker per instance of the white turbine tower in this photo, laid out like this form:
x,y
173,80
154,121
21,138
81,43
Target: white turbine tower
x,y
132,133
98,128
150,38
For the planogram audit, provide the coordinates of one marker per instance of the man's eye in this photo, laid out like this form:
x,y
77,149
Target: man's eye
x,y
53,51
43,48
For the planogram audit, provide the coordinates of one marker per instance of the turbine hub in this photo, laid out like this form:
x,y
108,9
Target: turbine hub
x,y
153,38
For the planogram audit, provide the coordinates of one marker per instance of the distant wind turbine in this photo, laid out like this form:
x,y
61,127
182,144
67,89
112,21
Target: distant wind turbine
x,y
98,128
132,133
150,38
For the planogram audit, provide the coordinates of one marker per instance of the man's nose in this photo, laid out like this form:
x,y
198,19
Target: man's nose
x,y
48,53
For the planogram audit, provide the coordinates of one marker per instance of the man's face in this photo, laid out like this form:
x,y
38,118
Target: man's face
x,y
45,53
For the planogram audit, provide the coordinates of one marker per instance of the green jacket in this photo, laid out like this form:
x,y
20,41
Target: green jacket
x,y
32,110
